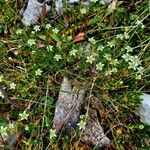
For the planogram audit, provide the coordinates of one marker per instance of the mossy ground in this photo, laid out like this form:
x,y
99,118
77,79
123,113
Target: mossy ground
x,y
112,63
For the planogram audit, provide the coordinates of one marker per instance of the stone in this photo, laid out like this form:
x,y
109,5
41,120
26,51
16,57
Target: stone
x,y
34,8
144,109
68,106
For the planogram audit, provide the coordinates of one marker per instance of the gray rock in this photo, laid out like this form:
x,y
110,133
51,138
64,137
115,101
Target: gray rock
x,y
93,132
31,14
68,106
144,109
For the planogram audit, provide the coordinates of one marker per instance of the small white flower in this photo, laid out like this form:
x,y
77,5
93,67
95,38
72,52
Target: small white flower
x,y
55,30
138,77
32,32
31,42
26,127
19,31
108,72
36,28
48,26
23,116
126,57
99,66
140,70
92,40
111,44
16,53
49,48
90,59
129,49
100,48
120,36
12,85
1,94
114,70
1,78
81,124
38,72
83,11
133,65
52,134
114,62
141,126
57,57
73,52
3,131
126,35
107,56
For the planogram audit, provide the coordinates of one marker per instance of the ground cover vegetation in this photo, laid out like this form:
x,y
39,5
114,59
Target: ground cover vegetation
x,y
104,49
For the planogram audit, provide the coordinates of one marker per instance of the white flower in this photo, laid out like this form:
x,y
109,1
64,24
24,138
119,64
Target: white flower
x,y
114,70
36,28
52,134
38,72
129,49
99,66
49,48
92,40
90,59
73,52
100,48
55,30
126,35
12,85
32,32
107,56
23,116
133,65
111,44
48,26
114,62
16,52
1,78
19,31
108,72
81,124
1,94
57,57
140,70
3,131
83,11
26,127
120,36
31,42
126,57
138,77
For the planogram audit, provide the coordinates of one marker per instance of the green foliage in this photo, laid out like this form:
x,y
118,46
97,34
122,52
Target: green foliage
x,y
112,62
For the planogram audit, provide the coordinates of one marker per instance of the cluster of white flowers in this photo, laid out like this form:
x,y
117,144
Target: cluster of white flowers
x,y
133,61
